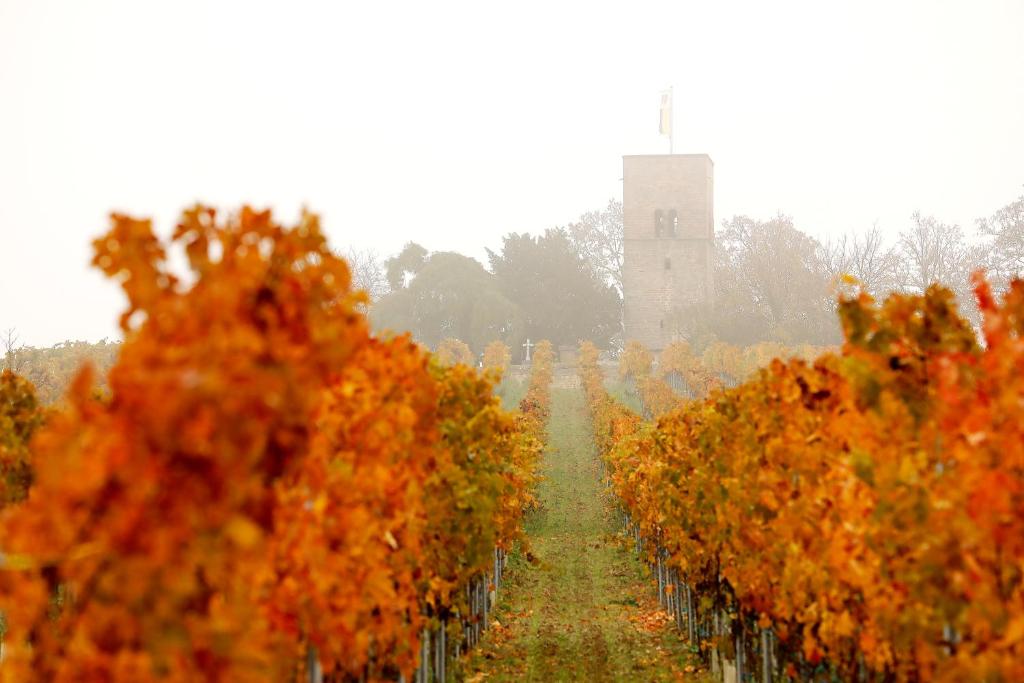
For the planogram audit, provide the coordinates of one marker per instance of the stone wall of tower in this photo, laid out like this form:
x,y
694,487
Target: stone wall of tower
x,y
667,273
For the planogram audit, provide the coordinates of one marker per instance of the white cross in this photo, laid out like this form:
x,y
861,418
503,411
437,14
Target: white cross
x,y
528,346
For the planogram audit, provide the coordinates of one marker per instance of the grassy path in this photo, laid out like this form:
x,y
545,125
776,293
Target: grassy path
x,y
584,610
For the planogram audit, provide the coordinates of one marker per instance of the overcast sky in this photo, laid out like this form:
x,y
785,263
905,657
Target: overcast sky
x,y
452,125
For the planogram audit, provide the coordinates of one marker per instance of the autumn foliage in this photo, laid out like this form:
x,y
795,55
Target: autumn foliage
x,y
657,396
536,404
20,416
731,364
610,420
678,366
451,351
635,362
264,478
868,506
497,357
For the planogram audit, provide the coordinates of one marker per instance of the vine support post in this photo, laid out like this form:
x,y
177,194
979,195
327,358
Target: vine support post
x,y
440,654
660,579
739,651
677,612
766,655
485,597
423,672
314,674
691,618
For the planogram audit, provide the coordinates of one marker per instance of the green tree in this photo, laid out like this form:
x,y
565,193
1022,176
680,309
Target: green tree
x,y
450,295
559,294
410,260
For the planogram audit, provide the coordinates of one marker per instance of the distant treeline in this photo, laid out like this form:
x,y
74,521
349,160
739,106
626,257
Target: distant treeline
x,y
773,282
53,368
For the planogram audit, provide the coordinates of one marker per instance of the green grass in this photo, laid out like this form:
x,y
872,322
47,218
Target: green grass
x,y
511,392
573,613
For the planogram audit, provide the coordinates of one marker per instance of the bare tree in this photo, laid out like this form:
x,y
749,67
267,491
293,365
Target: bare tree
x,y
934,252
367,272
597,237
1005,230
774,274
866,257
10,342
931,251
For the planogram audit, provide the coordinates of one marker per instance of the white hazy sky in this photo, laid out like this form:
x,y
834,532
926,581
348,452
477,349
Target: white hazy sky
x,y
453,124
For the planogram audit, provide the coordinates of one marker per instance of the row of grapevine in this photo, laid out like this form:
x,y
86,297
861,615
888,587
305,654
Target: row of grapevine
x,y
733,364
681,374
437,646
268,492
497,356
859,518
452,351
20,416
536,404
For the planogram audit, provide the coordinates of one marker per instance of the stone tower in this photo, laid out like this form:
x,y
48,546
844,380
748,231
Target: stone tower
x,y
667,216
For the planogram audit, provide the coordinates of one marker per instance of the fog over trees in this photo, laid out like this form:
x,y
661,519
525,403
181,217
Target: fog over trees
x,y
444,294
368,272
597,238
774,281
563,297
1004,235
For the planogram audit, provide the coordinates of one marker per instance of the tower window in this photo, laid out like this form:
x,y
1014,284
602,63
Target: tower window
x,y
659,223
672,223
668,263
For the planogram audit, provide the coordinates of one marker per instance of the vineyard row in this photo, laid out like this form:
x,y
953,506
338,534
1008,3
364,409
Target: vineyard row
x,y
859,517
266,491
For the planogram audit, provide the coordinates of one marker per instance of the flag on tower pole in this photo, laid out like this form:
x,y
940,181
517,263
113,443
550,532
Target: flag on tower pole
x,y
665,120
